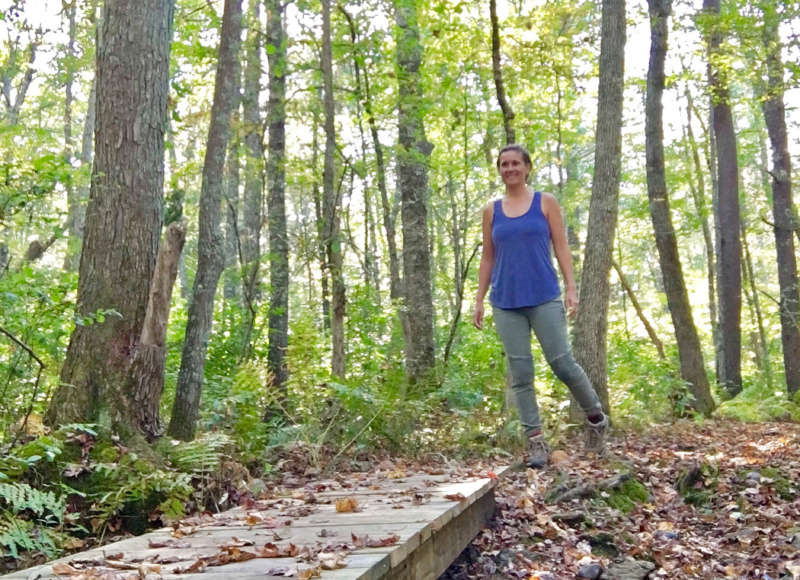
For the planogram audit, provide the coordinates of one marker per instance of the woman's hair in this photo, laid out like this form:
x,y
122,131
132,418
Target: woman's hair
x,y
526,157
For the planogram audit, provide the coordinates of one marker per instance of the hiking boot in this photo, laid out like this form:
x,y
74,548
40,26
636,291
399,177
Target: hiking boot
x,y
596,435
538,452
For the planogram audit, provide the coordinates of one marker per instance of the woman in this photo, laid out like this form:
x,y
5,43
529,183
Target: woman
x,y
525,295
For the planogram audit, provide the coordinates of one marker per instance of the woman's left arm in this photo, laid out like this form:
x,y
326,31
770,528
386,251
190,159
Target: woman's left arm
x,y
558,235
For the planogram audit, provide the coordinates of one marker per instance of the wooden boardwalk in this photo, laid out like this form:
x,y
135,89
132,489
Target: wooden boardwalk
x,y
418,523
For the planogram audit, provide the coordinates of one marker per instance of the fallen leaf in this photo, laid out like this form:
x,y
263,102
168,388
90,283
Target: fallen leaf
x,y
332,560
346,504
304,573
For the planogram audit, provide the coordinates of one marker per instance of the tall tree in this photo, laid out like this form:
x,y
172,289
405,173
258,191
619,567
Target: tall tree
x,y
276,197
698,190
412,184
591,325
210,258
782,205
253,214
123,218
689,350
331,230
727,218
497,73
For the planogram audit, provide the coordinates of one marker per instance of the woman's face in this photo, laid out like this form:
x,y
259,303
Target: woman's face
x,y
512,167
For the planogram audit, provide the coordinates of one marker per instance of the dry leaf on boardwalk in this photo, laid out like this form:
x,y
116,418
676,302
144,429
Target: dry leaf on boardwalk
x,y
304,573
167,543
366,542
332,560
271,550
455,497
346,505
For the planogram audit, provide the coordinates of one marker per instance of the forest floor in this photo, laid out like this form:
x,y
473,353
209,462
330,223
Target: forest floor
x,y
720,499
717,500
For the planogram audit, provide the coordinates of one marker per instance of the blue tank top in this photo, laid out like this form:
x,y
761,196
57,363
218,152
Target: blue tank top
x,y
523,273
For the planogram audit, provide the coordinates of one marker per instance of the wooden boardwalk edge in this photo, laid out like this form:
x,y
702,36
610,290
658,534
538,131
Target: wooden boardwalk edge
x,y
431,535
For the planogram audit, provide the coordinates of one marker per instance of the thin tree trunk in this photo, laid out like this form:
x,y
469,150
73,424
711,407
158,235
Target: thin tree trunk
x,y
123,220
320,221
230,206
782,205
412,181
252,208
754,304
591,324
651,332
276,200
689,350
698,191
76,208
73,200
729,260
210,259
331,210
497,73
149,361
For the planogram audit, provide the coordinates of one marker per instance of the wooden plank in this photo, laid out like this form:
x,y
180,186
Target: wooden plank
x,y
432,531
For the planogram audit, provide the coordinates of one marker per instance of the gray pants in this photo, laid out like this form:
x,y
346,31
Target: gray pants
x,y
550,325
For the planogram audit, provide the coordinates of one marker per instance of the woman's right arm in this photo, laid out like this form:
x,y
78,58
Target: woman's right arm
x,y
485,268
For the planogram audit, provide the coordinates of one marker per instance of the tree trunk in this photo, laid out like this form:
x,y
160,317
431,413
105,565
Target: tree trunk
x,y
253,214
149,361
689,350
761,348
497,73
331,224
413,152
76,207
698,191
729,247
210,258
73,200
123,219
639,311
591,324
782,205
230,207
276,202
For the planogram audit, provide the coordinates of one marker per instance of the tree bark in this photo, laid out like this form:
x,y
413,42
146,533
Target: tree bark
x,y
412,182
782,205
689,349
276,199
729,246
761,348
230,207
591,324
497,73
698,191
123,219
210,258
149,361
253,213
331,212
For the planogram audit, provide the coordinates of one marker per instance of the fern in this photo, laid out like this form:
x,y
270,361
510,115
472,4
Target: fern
x,y
19,535
201,456
19,497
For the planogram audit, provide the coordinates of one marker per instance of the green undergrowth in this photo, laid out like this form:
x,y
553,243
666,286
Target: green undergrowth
x,y
77,485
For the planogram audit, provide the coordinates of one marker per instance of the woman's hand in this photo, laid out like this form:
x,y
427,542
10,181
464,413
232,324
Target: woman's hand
x,y
477,316
571,302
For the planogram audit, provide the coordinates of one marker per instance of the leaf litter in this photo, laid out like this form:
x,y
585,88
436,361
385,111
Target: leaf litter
x,y
718,500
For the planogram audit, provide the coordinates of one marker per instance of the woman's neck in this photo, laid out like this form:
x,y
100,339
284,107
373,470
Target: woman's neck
x,y
517,190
